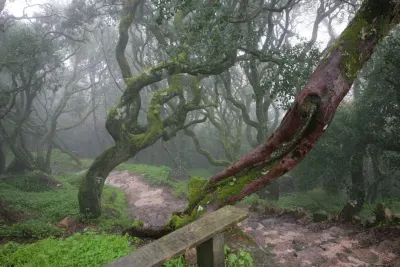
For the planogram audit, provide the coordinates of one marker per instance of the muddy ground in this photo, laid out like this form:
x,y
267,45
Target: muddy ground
x,y
271,239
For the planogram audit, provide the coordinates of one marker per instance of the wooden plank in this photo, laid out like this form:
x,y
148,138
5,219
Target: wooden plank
x,y
177,242
211,253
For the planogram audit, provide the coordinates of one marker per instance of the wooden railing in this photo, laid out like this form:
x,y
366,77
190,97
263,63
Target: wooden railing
x,y
206,234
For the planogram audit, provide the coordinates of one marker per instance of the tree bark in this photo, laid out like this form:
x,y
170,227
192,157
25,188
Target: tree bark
x,y
2,159
305,121
92,186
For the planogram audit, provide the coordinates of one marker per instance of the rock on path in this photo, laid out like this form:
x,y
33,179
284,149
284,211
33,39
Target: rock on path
x,y
153,206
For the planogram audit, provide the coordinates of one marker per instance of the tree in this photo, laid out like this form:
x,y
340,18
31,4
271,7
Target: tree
x,y
362,131
31,67
303,124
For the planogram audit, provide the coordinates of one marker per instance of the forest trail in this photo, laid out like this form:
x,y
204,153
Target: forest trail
x,y
153,206
273,240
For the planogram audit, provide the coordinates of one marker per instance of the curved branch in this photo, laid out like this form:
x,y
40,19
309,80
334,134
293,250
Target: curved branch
x,y
126,21
204,152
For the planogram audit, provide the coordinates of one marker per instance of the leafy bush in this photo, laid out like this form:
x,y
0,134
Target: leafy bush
x,y
88,249
239,259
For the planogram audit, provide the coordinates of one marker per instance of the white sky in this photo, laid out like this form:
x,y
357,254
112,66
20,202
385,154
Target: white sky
x,y
304,29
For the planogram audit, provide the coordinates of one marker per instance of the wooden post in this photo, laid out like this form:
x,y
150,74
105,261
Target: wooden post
x,y
211,252
205,233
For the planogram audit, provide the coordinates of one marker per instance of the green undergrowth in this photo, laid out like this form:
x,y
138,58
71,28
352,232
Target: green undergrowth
x,y
239,258
317,200
312,201
87,249
42,210
92,249
392,204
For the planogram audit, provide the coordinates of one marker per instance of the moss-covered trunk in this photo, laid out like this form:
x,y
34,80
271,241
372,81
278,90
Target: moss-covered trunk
x,y
2,159
92,185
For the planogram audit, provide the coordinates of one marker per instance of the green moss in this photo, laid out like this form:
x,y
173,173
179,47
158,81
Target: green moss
x,y
179,15
373,18
196,185
351,63
236,185
137,224
177,222
134,81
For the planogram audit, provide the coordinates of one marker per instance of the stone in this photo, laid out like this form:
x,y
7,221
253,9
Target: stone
x,y
388,214
268,222
66,223
366,255
320,216
385,246
335,231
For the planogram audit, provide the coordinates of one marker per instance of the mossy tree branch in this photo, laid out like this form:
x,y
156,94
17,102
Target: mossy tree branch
x,y
305,121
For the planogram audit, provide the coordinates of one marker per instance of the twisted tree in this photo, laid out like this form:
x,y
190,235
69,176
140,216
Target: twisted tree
x,y
305,121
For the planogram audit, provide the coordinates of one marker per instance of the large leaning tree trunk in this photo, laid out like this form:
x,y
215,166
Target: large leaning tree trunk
x,y
307,119
303,124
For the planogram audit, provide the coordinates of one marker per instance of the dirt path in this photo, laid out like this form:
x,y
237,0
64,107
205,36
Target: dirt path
x,y
295,244
272,240
151,205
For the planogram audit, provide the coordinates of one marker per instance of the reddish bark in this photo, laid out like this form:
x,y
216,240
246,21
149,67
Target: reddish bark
x,y
327,87
314,107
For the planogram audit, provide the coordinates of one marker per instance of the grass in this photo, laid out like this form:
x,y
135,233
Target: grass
x,y
87,249
43,209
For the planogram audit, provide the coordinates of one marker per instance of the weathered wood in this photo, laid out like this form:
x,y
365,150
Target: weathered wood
x,y
177,242
211,252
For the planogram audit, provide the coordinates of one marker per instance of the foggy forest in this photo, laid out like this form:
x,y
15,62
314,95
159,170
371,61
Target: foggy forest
x,y
204,133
